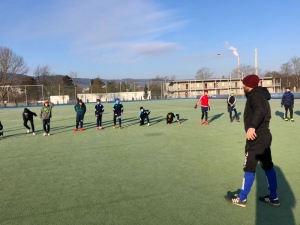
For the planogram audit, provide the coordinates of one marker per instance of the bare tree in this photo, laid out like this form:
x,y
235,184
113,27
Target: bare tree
x,y
203,73
173,77
42,74
244,70
74,76
10,65
295,62
286,69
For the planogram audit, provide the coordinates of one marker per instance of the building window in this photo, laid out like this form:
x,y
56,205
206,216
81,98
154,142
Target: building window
x,y
197,84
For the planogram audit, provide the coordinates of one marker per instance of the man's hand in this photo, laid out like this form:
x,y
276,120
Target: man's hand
x,y
195,106
251,135
281,105
40,119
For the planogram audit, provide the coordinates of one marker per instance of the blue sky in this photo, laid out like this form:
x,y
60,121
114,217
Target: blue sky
x,y
117,39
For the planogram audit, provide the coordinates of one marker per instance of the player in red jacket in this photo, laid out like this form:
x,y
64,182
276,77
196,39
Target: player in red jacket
x,y
205,107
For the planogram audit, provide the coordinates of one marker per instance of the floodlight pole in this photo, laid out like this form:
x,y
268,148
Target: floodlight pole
x,y
219,54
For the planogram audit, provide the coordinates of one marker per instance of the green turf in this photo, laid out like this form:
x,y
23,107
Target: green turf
x,y
176,174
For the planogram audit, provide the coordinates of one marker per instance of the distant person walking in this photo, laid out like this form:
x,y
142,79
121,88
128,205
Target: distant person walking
x,y
257,115
231,101
288,102
205,107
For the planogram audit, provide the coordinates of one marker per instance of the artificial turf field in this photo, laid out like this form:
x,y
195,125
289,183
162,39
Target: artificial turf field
x,y
176,174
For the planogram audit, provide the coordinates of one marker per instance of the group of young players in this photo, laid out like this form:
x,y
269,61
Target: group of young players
x,y
80,109
118,109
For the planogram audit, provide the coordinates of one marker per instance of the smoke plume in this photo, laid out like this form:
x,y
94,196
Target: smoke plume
x,y
233,49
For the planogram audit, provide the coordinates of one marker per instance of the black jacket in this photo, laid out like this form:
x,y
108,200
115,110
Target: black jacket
x,y
29,115
231,100
99,109
257,113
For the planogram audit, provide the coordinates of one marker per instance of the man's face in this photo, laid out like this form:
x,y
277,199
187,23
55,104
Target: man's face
x,y
80,103
287,90
26,114
117,101
246,89
205,93
46,104
98,102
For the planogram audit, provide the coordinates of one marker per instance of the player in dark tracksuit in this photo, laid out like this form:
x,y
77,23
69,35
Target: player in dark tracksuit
x,y
288,102
144,114
231,100
99,110
170,116
28,116
257,115
80,110
1,128
118,109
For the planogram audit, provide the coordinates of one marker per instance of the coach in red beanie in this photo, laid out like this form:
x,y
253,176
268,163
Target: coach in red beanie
x,y
251,81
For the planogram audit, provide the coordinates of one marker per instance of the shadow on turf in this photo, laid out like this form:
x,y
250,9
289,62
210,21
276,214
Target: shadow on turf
x,y
280,114
268,214
215,117
297,112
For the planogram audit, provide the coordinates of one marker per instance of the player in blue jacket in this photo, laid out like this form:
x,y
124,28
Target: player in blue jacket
x,y
118,109
144,114
288,102
99,110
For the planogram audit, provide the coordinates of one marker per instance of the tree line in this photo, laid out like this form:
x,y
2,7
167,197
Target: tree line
x,y
16,86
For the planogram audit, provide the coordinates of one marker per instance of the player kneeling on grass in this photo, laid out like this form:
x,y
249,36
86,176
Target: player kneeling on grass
x,y
205,107
118,112
231,100
45,115
1,128
80,110
99,109
144,114
171,116
28,116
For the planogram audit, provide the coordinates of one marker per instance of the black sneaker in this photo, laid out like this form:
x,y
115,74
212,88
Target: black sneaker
x,y
235,200
269,200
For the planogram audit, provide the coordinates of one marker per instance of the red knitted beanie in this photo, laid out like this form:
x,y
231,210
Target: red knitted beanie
x,y
251,81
